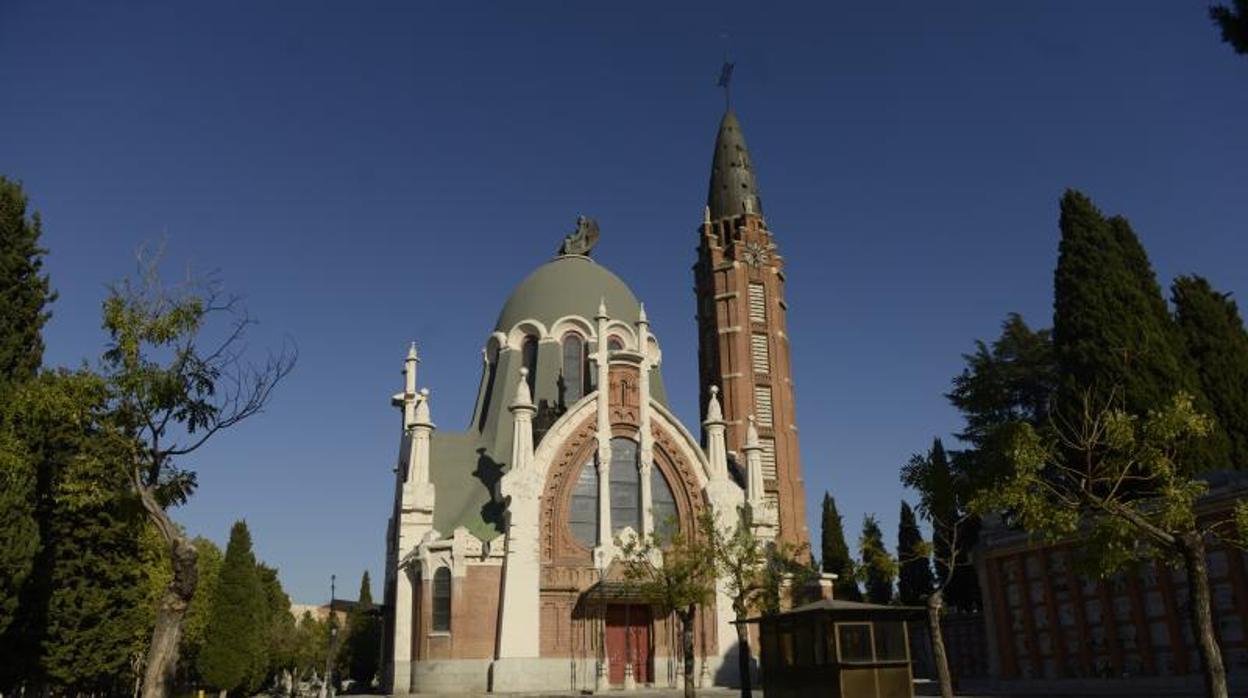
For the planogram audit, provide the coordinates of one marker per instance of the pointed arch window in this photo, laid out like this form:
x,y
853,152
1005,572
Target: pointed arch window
x,y
574,368
615,344
441,621
662,506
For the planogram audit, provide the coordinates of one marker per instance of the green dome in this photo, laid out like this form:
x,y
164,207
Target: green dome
x,y
568,285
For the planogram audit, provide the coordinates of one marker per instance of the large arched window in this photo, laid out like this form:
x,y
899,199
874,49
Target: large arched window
x,y
625,492
625,486
573,368
442,600
528,354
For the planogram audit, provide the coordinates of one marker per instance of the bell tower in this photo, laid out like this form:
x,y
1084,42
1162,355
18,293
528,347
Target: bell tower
x,y
742,336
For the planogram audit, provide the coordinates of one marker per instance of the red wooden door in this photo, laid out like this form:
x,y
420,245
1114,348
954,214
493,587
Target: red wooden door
x,y
628,641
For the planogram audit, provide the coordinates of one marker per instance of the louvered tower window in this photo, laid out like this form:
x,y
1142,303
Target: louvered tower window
x,y
769,457
758,303
758,353
762,405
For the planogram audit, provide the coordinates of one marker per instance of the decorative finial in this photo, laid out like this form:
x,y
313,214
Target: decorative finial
x,y
751,433
602,309
523,397
714,413
422,408
706,215
411,352
582,240
641,314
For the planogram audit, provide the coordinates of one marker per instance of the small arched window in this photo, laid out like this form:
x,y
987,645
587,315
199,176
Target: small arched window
x,y
615,344
528,355
442,600
573,368
583,517
662,506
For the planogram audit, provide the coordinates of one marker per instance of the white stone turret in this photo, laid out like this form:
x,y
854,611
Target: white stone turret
x,y
764,514
605,550
716,449
520,489
725,498
414,510
646,463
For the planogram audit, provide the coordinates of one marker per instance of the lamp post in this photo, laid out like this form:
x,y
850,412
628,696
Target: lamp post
x,y
326,686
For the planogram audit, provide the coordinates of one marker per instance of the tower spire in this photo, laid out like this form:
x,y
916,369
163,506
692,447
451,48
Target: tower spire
x,y
733,190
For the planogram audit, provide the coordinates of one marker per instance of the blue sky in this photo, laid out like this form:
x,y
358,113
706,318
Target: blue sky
x,y
367,174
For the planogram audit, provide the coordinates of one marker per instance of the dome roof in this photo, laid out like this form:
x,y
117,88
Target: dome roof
x,y
568,285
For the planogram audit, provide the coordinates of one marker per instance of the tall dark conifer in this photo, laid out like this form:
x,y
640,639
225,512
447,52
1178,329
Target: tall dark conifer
x,y
914,573
879,567
234,656
364,643
24,291
1217,343
1112,332
835,552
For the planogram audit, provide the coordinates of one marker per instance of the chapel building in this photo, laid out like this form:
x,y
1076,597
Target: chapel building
x,y
502,553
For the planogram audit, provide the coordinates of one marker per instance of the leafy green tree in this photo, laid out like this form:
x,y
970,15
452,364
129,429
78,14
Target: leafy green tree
x,y
19,529
1214,335
24,291
1233,22
84,609
944,501
235,652
311,644
677,576
755,573
1112,332
279,625
835,553
174,386
364,638
878,568
195,629
1008,382
1116,481
914,575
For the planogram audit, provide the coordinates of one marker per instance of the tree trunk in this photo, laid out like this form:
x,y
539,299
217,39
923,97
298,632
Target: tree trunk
x,y
1192,546
743,656
934,604
686,647
162,653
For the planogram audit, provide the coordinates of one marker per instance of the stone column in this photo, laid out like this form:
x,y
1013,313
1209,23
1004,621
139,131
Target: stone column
x,y
643,417
605,551
520,626
725,499
401,678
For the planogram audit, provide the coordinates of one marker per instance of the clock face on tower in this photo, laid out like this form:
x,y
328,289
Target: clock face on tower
x,y
755,254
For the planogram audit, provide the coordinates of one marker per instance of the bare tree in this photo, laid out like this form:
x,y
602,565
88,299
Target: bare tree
x,y
1118,481
175,383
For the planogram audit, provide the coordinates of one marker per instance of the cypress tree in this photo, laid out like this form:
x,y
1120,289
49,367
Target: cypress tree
x,y
235,644
914,576
1217,343
875,560
24,291
195,628
1112,332
364,643
835,553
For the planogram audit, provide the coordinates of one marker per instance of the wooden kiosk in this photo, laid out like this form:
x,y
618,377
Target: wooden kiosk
x,y
838,648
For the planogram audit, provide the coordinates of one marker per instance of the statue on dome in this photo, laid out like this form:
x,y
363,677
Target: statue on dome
x,y
582,240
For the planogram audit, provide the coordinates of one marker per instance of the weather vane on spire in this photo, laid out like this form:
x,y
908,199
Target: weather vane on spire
x,y
725,81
